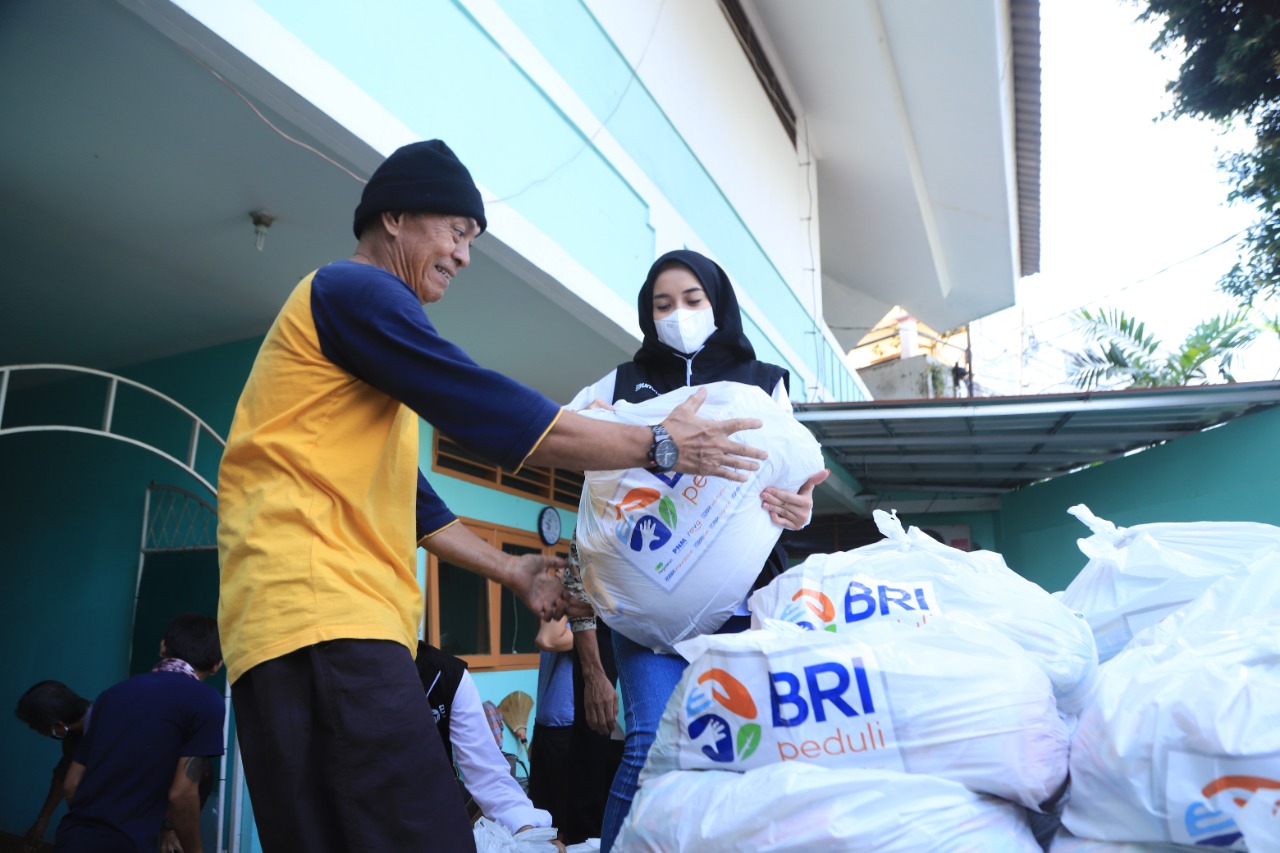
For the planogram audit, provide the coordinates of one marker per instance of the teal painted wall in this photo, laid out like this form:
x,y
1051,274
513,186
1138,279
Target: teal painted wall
x,y
522,148
72,529
1231,473
72,533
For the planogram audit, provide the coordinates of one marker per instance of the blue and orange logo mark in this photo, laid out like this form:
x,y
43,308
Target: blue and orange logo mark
x,y
1211,827
711,731
810,604
649,532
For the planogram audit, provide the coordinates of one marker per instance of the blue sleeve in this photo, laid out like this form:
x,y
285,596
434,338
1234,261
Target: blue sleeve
x,y
204,732
370,324
432,513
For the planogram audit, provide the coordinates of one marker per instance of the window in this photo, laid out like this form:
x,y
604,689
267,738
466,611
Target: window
x,y
553,485
478,619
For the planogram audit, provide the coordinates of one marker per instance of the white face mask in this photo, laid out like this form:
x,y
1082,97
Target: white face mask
x,y
686,330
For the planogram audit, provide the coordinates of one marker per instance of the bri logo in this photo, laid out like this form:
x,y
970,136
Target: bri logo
x,y
823,711
1212,827
813,609
863,602
711,732
649,532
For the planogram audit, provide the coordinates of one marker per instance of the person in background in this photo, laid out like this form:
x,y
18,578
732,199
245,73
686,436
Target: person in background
x,y
150,742
596,743
552,774
321,505
464,728
693,335
53,709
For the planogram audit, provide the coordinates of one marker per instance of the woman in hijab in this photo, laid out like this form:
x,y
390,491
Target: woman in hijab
x,y
692,336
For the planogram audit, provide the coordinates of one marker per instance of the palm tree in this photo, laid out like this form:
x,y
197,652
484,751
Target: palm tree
x,y
1126,355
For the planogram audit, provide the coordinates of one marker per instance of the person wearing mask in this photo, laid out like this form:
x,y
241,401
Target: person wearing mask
x,y
53,709
693,335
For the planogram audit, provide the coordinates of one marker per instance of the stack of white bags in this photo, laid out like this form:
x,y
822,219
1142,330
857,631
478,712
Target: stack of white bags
x,y
1180,744
903,696
907,696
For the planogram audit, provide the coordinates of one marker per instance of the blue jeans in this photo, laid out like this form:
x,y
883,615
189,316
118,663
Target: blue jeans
x,y
647,679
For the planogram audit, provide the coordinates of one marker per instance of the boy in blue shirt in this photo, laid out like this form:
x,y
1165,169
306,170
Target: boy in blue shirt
x,y
147,750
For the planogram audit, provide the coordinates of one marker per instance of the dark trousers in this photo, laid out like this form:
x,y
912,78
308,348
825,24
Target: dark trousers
x,y
551,772
594,756
341,753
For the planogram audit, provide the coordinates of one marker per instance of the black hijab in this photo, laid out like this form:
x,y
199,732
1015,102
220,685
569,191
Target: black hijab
x,y
726,356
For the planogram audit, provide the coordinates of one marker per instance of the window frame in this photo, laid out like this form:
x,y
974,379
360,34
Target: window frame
x,y
495,535
555,486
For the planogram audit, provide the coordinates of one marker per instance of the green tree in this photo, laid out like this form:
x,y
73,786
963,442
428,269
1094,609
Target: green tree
x,y
1230,71
1124,354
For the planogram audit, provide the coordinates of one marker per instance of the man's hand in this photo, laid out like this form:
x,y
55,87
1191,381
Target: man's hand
x,y
704,445
555,842
792,510
532,577
578,609
169,842
34,837
600,701
535,580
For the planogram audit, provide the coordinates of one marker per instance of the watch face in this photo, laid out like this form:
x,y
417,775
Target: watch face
x,y
665,454
549,525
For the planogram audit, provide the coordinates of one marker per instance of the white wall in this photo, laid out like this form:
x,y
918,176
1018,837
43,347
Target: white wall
x,y
687,56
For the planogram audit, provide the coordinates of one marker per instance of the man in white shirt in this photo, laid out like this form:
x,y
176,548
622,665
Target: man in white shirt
x,y
459,714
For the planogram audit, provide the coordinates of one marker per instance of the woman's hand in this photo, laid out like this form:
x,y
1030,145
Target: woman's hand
x,y
792,510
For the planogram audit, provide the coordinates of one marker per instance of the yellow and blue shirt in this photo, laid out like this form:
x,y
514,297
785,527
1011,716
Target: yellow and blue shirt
x,y
320,498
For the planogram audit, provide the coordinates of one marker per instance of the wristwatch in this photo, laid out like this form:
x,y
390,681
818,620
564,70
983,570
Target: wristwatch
x,y
663,454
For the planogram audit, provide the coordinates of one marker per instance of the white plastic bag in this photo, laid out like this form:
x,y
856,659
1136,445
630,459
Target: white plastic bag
x,y
802,808
960,702
909,577
495,838
1220,608
1179,738
1138,575
668,556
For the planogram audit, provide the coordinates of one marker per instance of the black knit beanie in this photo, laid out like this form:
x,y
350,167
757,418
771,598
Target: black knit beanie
x,y
420,176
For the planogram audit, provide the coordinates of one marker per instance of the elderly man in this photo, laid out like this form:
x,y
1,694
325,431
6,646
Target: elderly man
x,y
320,606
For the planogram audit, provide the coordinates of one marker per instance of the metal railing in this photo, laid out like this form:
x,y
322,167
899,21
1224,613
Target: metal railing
x,y
198,429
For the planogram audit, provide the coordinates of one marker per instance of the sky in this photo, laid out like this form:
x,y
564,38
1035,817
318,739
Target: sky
x,y
1131,207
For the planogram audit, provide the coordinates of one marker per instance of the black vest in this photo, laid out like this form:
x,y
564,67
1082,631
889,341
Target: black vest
x,y
441,674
